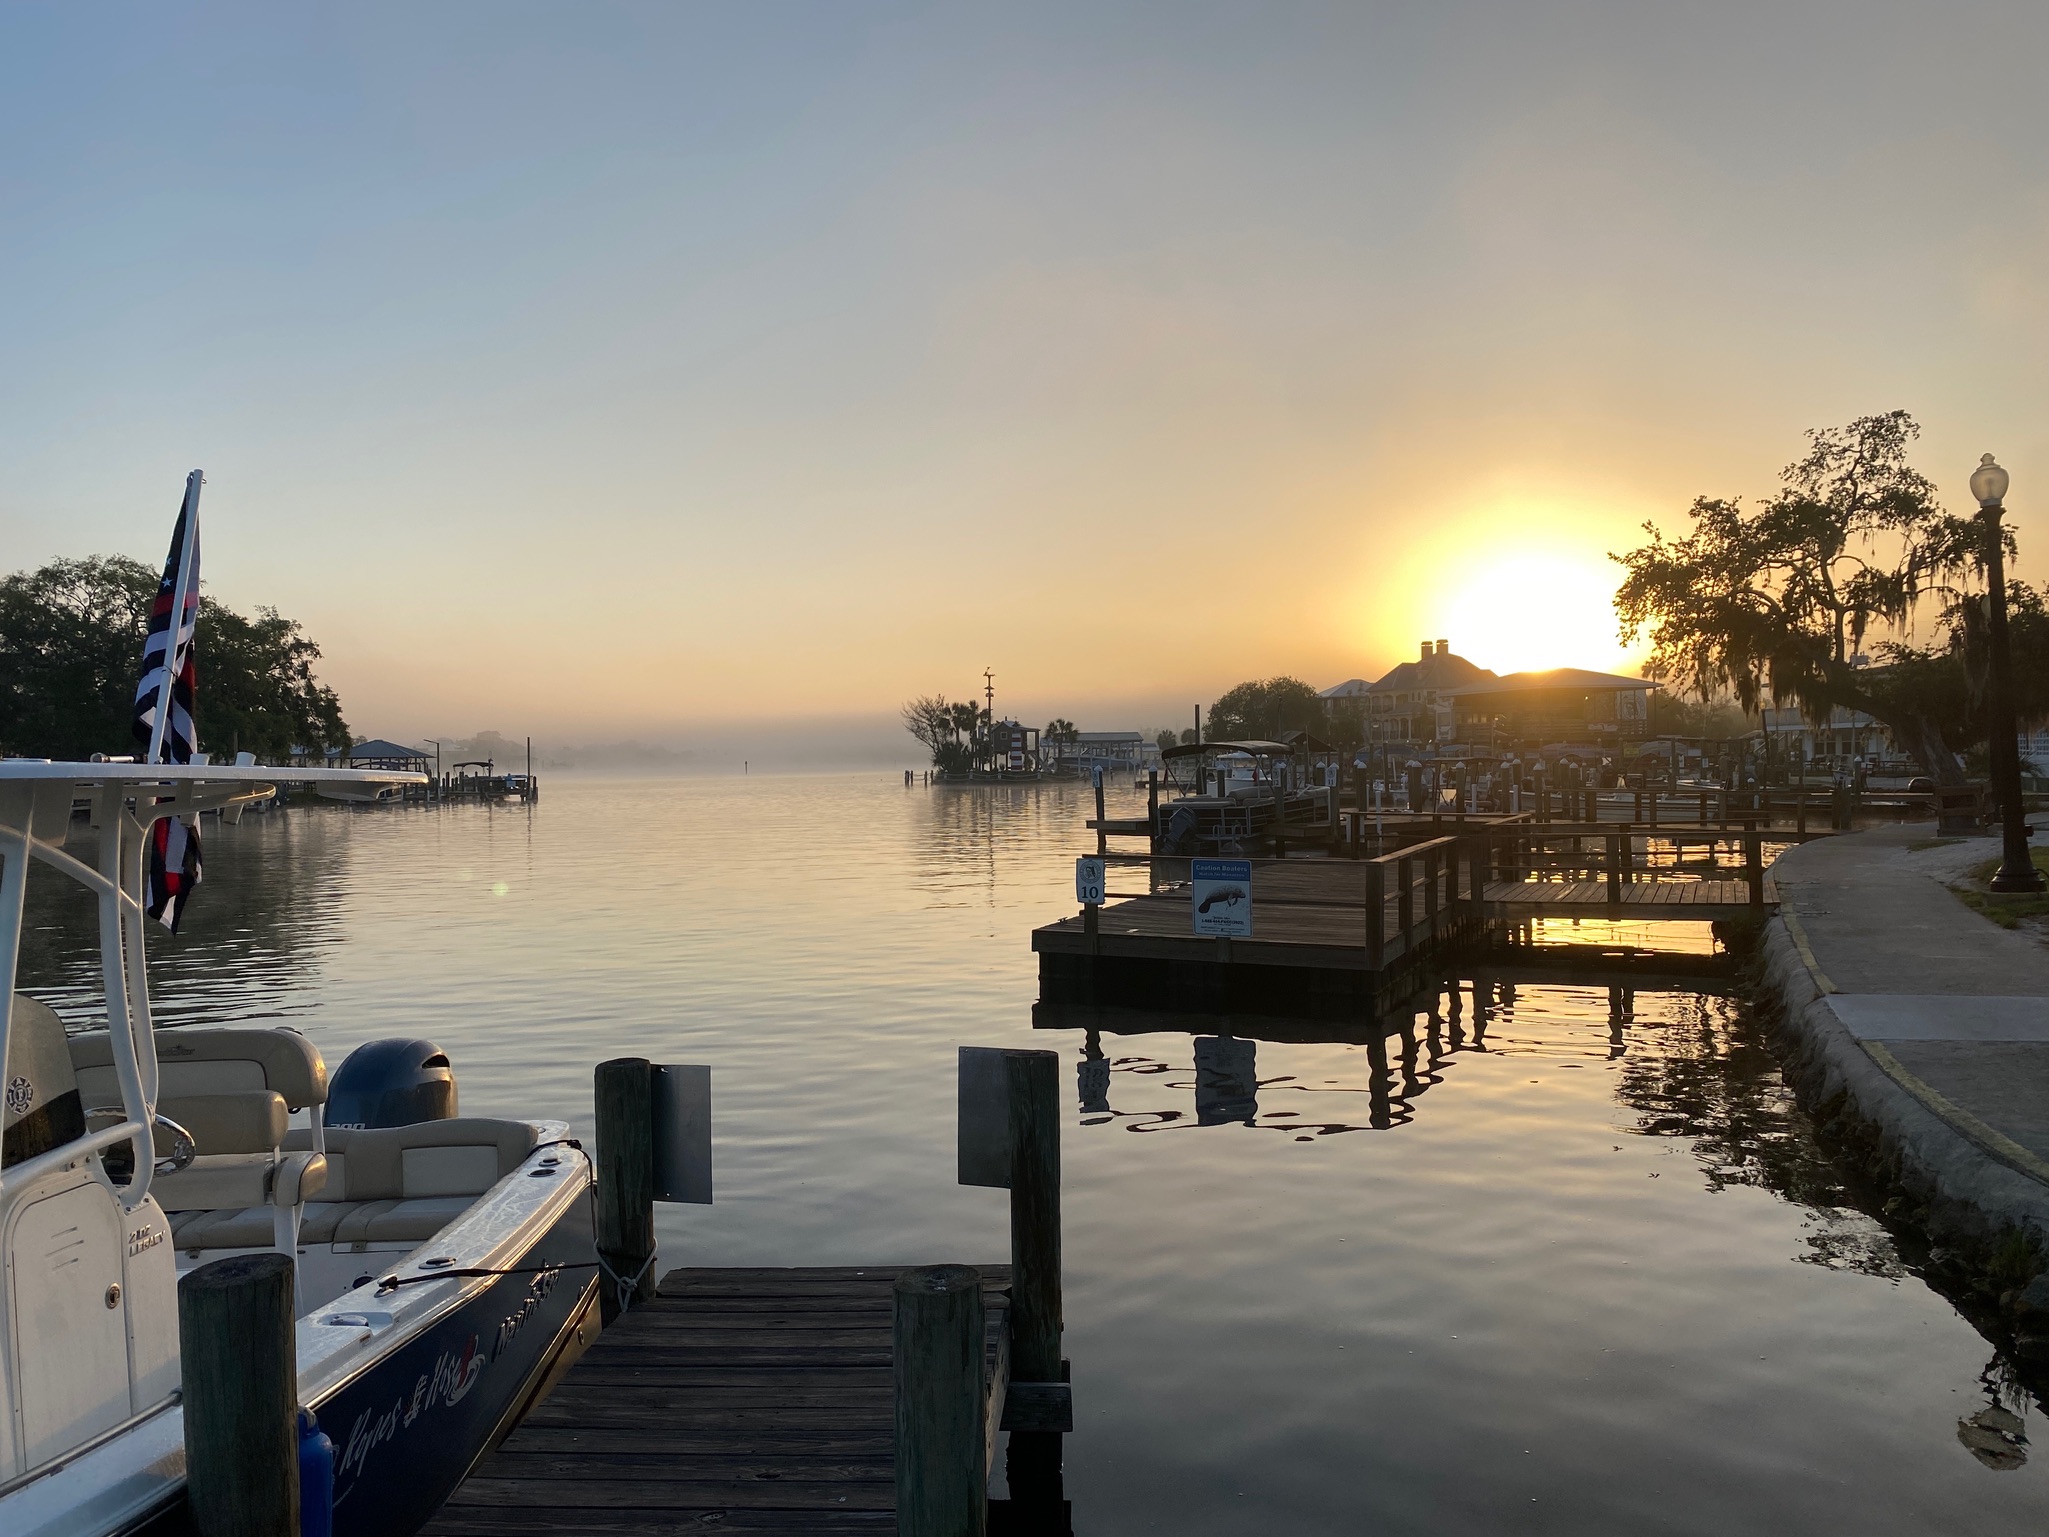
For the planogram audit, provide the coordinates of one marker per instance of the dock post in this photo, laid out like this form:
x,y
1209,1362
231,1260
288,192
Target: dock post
x,y
241,1393
1152,807
1800,811
1753,865
626,1183
1615,868
942,1484
1405,898
1376,916
1034,1083
1102,836
1433,872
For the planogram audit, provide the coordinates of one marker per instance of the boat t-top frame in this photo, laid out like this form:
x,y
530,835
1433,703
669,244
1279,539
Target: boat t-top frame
x,y
127,800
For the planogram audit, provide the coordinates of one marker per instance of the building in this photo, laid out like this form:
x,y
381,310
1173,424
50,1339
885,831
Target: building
x,y
1845,736
1125,751
1559,704
1411,703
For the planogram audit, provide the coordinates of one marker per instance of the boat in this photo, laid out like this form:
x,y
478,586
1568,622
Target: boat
x,y
1241,795
445,1265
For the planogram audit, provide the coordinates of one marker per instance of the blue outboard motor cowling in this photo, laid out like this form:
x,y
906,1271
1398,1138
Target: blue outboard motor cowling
x,y
392,1082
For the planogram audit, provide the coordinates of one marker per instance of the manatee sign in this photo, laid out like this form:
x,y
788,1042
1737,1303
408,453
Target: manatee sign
x,y
1220,897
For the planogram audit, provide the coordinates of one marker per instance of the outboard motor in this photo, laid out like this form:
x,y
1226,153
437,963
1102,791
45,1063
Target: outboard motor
x,y
392,1082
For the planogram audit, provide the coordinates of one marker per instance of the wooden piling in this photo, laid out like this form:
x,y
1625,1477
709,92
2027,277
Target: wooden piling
x,y
941,1438
1102,834
1152,806
241,1396
1753,865
1034,1083
1376,915
1615,856
626,1188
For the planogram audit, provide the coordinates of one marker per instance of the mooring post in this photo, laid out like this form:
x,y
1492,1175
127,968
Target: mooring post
x,y
626,1183
241,1396
942,1482
1433,863
1615,868
1152,806
1753,865
1405,898
1102,834
1034,1083
1800,811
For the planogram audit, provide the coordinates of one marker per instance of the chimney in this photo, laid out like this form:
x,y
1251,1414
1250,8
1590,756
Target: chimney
x,y
1444,648
1426,652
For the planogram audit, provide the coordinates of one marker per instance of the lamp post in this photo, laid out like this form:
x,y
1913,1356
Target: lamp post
x,y
2017,870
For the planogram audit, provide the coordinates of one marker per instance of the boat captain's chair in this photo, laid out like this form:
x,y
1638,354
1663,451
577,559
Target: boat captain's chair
x,y
233,1090
42,1105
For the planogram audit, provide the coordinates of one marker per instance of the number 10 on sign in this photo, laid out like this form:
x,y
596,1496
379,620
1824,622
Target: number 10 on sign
x,y
1088,882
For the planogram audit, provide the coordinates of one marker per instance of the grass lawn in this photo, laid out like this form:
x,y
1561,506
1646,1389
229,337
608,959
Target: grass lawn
x,y
2007,911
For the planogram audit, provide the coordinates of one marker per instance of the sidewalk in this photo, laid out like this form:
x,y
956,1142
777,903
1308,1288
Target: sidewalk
x,y
1932,1019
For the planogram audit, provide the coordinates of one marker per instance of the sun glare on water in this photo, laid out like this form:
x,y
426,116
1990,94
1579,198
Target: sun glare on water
x,y
1533,609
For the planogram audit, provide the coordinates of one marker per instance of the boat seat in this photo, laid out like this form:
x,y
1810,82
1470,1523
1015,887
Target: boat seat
x,y
384,1185
194,1061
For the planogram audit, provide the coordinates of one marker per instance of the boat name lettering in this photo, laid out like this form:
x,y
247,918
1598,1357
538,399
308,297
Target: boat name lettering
x,y
455,1373
530,1304
148,1236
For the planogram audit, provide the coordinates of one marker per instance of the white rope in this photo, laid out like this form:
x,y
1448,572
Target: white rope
x,y
627,1287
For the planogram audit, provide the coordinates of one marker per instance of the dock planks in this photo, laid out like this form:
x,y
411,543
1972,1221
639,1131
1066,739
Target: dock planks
x,y
740,1400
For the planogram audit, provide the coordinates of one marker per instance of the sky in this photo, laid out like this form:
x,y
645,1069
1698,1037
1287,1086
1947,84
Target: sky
x,y
616,371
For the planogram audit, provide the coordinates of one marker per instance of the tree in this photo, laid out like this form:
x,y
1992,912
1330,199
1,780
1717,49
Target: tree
x,y
1060,731
1780,601
71,650
929,718
1166,739
1261,711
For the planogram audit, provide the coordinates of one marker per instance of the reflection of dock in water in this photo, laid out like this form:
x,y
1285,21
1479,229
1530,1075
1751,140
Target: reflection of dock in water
x,y
1408,1051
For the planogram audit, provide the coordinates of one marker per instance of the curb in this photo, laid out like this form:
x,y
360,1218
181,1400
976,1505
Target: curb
x,y
1980,1180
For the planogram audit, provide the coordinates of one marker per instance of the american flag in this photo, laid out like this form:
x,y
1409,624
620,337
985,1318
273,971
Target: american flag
x,y
162,721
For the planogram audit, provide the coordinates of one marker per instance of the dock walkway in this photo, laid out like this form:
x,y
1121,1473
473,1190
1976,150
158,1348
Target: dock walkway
x,y
737,1400
1950,1008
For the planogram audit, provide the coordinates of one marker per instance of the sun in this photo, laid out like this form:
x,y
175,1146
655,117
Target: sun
x,y
1532,609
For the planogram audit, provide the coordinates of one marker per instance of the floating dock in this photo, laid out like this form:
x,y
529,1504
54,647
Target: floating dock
x,y
1338,938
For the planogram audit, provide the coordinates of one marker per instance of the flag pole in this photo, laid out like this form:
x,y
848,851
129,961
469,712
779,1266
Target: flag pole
x,y
189,516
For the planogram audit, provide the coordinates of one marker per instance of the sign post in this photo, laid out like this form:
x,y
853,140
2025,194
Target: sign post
x,y
1091,881
1220,897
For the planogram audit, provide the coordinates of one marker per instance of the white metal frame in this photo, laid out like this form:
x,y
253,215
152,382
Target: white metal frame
x,y
127,799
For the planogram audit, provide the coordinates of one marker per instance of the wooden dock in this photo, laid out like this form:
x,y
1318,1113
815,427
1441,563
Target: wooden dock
x,y
1334,938
754,1400
820,1400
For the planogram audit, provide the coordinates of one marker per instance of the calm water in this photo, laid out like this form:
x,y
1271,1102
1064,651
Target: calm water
x,y
1563,1259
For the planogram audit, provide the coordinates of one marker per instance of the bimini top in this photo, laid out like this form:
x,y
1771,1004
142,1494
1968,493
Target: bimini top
x,y
1256,749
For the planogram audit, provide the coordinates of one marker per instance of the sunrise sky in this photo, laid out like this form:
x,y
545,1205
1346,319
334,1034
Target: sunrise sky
x,y
610,370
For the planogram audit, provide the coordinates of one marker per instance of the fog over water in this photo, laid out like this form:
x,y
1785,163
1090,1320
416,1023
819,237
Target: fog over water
x,y
1557,1259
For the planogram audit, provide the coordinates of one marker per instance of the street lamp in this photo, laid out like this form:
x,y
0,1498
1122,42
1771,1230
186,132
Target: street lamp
x,y
2017,870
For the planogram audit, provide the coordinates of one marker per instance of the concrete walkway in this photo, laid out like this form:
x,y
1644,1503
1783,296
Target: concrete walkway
x,y
1932,1016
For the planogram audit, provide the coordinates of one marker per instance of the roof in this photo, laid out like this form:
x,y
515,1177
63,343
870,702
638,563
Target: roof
x,y
378,747
1441,670
1555,678
1192,749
